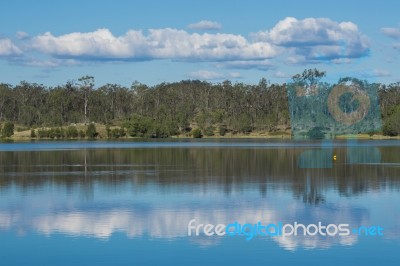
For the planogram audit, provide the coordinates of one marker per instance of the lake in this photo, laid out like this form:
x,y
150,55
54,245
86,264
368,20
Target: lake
x,y
131,202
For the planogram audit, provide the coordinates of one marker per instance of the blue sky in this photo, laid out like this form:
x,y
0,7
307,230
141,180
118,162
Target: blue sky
x,y
51,42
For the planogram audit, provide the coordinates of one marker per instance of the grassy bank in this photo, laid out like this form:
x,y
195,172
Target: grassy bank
x,y
22,134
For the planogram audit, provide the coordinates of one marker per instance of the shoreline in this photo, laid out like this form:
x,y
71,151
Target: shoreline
x,y
282,133
182,137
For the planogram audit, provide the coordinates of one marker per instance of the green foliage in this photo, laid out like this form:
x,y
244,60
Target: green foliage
x,y
20,129
391,125
196,133
309,77
209,131
91,132
316,133
222,130
72,132
81,134
108,131
43,133
33,133
371,133
138,126
57,133
8,129
164,129
52,133
142,126
168,109
117,133
389,129
242,123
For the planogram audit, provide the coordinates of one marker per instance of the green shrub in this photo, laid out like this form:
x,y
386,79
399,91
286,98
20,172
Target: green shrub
x,y
59,133
91,132
81,134
391,124
142,126
138,126
222,130
49,133
117,133
389,129
209,131
8,129
72,132
33,133
316,133
108,130
42,133
196,133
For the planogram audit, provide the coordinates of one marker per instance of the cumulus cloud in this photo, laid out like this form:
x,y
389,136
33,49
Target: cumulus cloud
x,y
318,39
157,44
8,48
310,40
391,32
205,25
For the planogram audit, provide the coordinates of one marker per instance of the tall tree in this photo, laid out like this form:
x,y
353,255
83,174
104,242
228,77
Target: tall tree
x,y
86,86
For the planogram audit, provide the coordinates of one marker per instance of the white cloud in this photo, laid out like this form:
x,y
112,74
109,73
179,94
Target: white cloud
x,y
21,35
311,40
391,32
157,44
247,64
205,74
212,75
235,75
381,73
51,63
205,25
8,48
342,61
172,223
318,39
280,74
376,73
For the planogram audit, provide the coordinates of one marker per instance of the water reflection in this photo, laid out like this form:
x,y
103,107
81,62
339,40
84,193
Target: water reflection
x,y
137,220
155,192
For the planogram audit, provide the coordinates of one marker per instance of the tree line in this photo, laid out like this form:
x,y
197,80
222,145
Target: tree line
x,y
167,109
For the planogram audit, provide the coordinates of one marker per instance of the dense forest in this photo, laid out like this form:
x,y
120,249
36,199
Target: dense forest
x,y
188,107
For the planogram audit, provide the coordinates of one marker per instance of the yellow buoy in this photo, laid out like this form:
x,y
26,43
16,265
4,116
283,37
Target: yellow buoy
x,y
334,157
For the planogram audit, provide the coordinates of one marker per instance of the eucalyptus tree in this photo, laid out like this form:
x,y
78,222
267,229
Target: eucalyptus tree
x,y
86,87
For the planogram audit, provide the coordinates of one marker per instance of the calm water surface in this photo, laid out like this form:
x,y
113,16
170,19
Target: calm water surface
x,y
129,203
